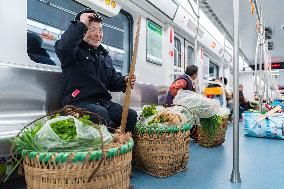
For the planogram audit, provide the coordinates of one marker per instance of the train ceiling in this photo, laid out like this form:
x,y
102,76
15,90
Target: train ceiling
x,y
273,18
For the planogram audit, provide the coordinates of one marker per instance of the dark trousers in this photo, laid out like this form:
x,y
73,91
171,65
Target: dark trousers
x,y
111,113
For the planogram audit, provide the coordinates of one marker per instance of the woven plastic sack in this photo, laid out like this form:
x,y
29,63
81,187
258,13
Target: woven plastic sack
x,y
198,105
87,137
271,127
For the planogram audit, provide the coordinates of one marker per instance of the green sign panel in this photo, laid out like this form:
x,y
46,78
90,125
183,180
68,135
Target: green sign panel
x,y
154,43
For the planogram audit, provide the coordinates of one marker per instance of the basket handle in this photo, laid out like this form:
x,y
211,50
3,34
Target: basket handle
x,y
102,158
12,147
102,146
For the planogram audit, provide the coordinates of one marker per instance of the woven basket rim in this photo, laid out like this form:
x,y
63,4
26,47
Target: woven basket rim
x,y
140,128
95,155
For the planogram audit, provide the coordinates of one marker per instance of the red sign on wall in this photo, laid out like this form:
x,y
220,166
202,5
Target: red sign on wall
x,y
171,36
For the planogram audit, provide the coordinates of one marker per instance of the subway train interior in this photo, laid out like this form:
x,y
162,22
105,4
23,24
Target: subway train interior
x,y
238,48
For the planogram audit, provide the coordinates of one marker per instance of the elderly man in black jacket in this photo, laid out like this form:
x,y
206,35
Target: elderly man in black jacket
x,y
88,73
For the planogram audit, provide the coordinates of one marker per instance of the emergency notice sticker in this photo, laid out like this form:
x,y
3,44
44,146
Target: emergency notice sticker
x,y
75,93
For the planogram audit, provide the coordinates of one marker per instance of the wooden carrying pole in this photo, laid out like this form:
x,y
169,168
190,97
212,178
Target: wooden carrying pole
x,y
131,73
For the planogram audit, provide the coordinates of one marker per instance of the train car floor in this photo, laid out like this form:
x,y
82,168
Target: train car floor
x,y
261,167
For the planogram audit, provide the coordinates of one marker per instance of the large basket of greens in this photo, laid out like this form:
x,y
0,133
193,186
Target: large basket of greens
x,y
211,131
162,141
213,118
68,151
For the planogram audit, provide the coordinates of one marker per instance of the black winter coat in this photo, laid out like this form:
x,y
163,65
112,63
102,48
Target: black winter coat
x,y
88,73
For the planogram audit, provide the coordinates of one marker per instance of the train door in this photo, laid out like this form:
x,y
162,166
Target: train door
x,y
213,70
189,54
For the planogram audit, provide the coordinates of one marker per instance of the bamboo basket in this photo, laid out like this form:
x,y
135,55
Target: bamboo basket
x,y
219,138
161,152
108,167
75,170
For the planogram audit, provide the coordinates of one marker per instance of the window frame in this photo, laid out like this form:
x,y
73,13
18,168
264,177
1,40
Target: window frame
x,y
179,63
128,51
187,51
215,67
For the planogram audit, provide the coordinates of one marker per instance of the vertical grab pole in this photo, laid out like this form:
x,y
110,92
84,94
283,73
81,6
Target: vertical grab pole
x,y
260,89
270,81
235,176
196,37
223,58
255,66
266,74
196,53
222,71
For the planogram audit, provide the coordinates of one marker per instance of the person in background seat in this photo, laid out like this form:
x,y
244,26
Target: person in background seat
x,y
35,50
244,103
228,94
183,82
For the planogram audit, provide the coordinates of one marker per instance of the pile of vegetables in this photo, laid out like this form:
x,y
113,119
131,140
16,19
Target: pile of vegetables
x,y
64,129
27,141
210,125
153,115
166,117
149,111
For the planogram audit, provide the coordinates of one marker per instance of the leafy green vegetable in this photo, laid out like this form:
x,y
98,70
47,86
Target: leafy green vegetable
x,y
149,111
86,120
65,129
210,125
154,121
158,119
37,127
26,141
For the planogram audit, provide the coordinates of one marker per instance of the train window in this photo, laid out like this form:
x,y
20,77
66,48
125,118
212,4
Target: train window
x,y
190,55
47,20
154,43
177,53
213,70
206,74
